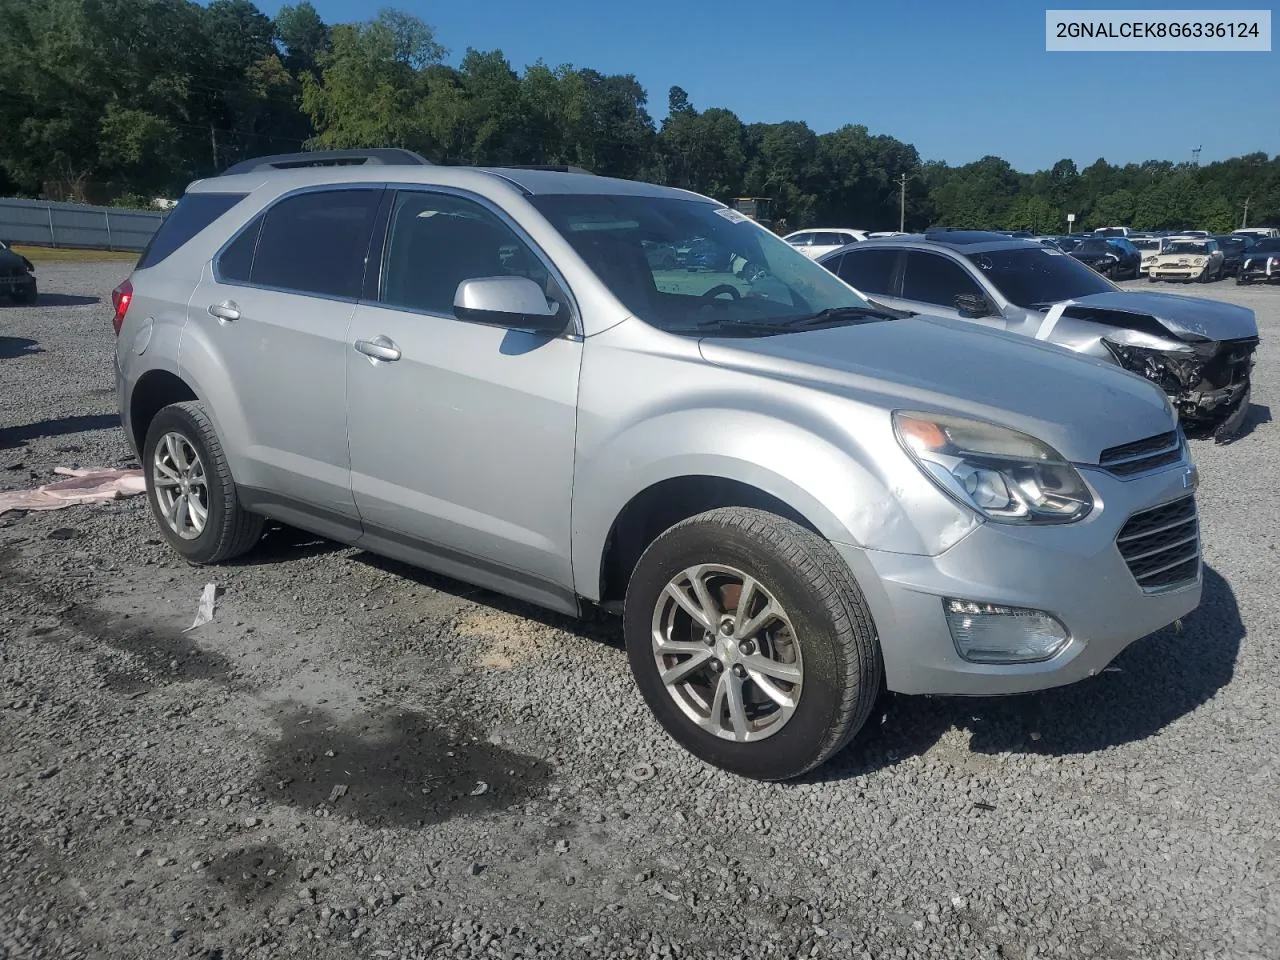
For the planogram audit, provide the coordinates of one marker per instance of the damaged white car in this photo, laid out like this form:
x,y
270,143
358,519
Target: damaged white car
x,y
1199,351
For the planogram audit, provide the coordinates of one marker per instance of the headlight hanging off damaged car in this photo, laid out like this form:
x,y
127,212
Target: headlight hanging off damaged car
x,y
1004,475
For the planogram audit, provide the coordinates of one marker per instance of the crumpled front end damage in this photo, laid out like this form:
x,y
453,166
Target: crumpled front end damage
x,y
1206,377
1208,381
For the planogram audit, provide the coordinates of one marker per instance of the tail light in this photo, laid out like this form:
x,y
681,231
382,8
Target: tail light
x,y
121,297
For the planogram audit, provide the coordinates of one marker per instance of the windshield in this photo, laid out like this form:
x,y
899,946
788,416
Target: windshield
x,y
1231,246
1151,244
1092,248
727,275
1267,246
1109,232
1187,246
1039,278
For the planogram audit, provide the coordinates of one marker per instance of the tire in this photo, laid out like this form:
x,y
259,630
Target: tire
x,y
27,296
832,641
228,529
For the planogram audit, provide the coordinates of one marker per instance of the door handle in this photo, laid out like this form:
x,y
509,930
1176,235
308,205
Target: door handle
x,y
379,348
226,311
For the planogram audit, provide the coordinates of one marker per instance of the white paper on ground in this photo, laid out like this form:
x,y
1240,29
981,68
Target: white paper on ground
x,y
204,613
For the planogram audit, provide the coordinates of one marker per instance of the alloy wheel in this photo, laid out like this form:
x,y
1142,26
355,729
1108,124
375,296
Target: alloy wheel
x,y
181,488
727,652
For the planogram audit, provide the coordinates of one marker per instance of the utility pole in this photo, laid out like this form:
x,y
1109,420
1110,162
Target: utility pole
x,y
1244,221
1195,154
902,202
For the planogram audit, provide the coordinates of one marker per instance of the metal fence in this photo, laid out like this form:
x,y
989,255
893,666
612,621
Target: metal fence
x,y
48,224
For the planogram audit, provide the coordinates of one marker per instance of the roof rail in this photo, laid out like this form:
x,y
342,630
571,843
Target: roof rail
x,y
553,167
388,156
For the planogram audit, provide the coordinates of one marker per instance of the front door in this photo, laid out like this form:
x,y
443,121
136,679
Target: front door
x,y
931,283
462,435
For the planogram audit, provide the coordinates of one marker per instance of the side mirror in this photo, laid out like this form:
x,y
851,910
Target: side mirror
x,y
973,305
513,302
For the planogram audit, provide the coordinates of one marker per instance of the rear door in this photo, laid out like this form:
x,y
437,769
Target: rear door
x,y
272,314
462,435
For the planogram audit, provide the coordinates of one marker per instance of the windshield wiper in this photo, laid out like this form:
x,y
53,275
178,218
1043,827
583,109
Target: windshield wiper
x,y
836,314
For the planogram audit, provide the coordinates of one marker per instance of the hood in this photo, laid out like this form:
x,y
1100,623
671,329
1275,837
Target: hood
x,y
1187,318
1078,405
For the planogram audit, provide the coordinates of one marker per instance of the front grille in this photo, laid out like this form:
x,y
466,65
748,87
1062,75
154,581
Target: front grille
x,y
11,271
1140,456
1162,545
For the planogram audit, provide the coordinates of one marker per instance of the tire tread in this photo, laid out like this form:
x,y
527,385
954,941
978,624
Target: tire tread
x,y
240,530
816,560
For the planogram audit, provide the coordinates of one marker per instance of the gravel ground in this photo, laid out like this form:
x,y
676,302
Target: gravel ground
x,y
355,759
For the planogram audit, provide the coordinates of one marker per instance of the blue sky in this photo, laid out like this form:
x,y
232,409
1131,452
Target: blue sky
x,y
959,80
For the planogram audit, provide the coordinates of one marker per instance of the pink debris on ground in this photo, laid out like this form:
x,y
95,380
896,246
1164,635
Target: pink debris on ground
x,y
87,485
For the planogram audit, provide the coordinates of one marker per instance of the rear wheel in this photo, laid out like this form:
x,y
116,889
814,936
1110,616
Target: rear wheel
x,y
189,486
751,642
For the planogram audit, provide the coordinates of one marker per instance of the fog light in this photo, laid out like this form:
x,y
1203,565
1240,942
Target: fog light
x,y
989,633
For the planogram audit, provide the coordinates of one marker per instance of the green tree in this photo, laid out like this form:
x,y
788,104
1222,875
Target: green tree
x,y
303,35
372,89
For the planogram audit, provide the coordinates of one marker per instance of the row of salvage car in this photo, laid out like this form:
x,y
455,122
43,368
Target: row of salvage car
x,y
1199,351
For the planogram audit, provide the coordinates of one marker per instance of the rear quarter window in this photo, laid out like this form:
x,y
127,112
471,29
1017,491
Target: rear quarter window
x,y
194,212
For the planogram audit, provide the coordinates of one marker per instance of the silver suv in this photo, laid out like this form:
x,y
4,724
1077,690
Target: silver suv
x,y
794,499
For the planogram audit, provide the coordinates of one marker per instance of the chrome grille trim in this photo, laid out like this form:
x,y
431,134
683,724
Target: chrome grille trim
x,y
1142,456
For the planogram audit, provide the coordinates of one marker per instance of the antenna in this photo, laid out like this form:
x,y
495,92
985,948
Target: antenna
x,y
1195,154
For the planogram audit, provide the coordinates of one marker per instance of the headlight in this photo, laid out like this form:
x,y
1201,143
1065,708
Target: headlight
x,y
1199,261
1004,475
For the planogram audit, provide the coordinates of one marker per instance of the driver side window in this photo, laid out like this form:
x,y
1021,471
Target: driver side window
x,y
930,278
435,241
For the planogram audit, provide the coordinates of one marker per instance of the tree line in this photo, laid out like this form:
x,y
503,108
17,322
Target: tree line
x,y
123,100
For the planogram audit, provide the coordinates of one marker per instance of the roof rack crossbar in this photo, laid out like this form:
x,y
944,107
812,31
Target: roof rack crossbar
x,y
384,156
553,167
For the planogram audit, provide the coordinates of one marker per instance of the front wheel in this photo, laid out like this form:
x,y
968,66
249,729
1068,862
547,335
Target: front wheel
x,y
751,642
189,486
26,296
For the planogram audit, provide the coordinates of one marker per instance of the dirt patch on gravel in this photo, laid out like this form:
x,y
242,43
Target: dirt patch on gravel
x,y
508,640
393,768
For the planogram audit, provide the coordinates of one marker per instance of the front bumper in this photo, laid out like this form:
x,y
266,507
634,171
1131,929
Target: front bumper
x,y
10,283
1175,273
1075,572
1259,273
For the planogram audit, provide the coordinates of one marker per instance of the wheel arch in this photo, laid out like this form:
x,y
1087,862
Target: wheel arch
x,y
155,390
662,505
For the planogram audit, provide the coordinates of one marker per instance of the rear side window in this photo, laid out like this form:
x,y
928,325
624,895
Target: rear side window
x,y
236,260
870,271
316,243
194,212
